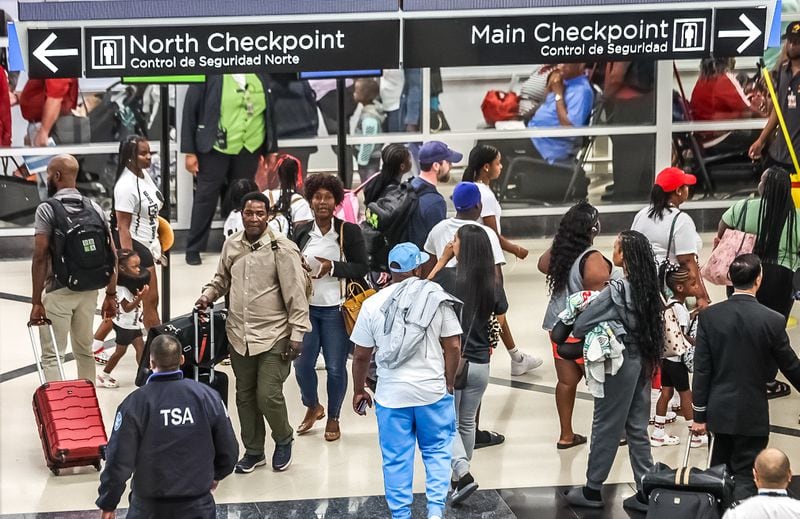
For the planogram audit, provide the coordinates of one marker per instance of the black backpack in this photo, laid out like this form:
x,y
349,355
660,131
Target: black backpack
x,y
81,247
386,222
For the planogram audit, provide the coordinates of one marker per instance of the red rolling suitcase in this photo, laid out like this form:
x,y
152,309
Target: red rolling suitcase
x,y
67,416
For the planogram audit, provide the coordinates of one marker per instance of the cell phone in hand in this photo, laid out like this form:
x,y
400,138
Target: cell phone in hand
x,y
362,407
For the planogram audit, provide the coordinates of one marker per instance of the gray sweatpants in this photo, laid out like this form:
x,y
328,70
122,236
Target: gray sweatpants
x,y
467,402
624,411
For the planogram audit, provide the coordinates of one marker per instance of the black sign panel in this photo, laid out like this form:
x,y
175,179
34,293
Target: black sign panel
x,y
739,32
217,49
556,39
54,53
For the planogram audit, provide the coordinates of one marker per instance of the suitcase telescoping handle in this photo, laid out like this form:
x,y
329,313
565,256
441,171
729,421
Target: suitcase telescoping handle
x,y
38,350
689,448
196,314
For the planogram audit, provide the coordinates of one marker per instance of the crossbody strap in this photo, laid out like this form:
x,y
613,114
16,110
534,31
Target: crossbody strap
x,y
671,240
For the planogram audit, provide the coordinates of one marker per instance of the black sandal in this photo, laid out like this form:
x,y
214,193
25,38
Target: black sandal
x,y
494,439
777,390
577,439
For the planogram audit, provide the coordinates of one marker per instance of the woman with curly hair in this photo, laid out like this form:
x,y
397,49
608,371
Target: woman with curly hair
x,y
335,250
634,302
571,265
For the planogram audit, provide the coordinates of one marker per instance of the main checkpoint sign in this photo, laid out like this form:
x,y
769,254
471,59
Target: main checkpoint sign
x,y
204,49
621,36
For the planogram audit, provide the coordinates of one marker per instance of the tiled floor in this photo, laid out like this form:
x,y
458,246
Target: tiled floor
x,y
518,479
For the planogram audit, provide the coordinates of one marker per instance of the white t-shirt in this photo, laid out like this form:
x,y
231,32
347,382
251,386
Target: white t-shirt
x,y
391,88
128,320
141,198
419,381
765,507
327,289
685,239
444,232
301,211
233,223
491,207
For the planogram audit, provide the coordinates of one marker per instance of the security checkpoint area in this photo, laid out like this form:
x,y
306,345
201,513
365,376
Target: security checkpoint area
x,y
462,72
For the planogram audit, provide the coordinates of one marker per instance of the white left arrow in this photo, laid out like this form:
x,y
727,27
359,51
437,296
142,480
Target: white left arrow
x,y
750,34
43,52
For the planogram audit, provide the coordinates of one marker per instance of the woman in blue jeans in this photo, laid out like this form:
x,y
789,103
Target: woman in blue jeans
x,y
474,281
335,251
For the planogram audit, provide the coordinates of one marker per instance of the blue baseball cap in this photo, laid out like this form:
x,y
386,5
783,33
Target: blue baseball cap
x,y
407,256
466,195
437,151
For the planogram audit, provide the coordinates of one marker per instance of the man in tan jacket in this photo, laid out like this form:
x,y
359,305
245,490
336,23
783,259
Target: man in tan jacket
x,y
267,318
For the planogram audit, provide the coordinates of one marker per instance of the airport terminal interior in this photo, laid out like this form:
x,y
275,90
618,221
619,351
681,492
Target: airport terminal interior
x,y
661,120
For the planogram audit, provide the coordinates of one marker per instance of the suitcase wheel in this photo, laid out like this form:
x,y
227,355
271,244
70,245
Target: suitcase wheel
x,y
55,471
97,466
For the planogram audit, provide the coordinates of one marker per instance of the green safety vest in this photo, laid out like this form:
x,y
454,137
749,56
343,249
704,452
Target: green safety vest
x,y
241,115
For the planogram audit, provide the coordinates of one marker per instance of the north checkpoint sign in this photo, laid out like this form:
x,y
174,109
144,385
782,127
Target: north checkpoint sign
x,y
568,38
162,50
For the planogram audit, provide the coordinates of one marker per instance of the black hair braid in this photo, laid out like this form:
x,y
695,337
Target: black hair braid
x,y
775,212
393,157
637,254
287,178
573,237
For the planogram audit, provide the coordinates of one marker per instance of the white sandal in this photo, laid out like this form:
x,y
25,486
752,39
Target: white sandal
x,y
105,380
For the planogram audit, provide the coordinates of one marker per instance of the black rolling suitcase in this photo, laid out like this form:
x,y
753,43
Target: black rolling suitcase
x,y
686,491
201,366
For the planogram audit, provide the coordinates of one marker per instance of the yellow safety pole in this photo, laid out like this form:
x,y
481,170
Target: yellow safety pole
x,y
782,123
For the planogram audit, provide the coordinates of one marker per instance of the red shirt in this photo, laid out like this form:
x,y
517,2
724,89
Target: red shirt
x,y
717,98
36,91
5,110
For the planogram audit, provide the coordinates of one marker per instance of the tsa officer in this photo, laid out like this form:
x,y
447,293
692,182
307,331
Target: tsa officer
x,y
175,437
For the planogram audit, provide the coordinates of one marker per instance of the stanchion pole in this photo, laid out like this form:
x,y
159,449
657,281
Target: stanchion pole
x,y
166,209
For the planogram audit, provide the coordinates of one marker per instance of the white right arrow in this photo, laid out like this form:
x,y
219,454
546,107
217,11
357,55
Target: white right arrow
x,y
43,52
751,33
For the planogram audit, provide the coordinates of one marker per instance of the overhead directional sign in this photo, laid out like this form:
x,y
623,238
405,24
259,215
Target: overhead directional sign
x,y
623,36
215,49
54,53
740,32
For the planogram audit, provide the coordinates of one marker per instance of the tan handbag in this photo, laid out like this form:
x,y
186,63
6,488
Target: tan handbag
x,y
354,294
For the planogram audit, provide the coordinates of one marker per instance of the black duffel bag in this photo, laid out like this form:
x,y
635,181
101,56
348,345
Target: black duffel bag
x,y
202,336
715,481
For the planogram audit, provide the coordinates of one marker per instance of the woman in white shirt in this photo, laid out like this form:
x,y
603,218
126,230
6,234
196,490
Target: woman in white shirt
x,y
483,167
288,209
137,202
336,253
671,232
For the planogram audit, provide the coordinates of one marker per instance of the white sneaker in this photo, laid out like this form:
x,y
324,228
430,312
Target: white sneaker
x,y
664,440
528,363
699,441
102,358
105,380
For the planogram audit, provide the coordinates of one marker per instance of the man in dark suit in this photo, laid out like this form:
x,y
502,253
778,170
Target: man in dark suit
x,y
737,343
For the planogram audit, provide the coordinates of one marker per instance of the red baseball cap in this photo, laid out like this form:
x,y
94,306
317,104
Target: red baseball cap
x,y
670,179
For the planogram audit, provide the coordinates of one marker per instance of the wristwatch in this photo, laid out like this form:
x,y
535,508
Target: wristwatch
x,y
559,97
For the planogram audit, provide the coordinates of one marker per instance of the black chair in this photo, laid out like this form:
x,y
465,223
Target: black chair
x,y
732,172
534,180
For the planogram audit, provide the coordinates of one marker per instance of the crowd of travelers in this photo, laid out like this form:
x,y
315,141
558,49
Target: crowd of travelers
x,y
417,301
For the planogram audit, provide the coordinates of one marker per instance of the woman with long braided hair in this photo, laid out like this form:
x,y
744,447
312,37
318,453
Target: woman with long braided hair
x,y
571,264
774,220
634,302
